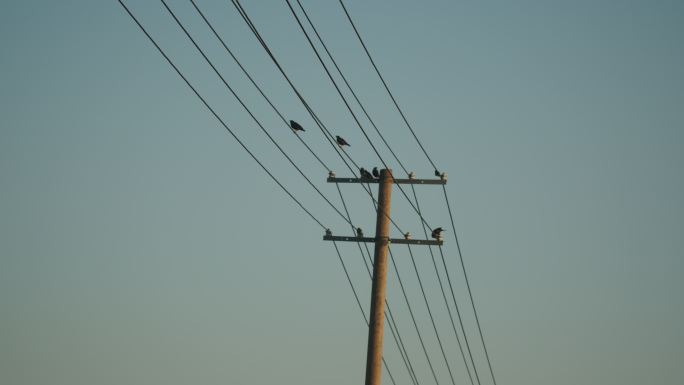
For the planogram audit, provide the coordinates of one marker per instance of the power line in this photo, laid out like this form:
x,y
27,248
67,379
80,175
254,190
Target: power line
x,y
432,319
458,312
337,88
365,48
343,77
358,302
370,142
446,303
206,104
319,123
358,101
346,82
161,51
232,91
346,103
384,83
470,293
244,71
339,71
391,322
413,318
408,305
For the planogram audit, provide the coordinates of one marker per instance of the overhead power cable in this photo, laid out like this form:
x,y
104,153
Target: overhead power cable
x,y
432,319
392,324
339,71
237,97
161,51
343,77
213,112
358,302
384,83
349,87
346,103
329,137
458,312
467,281
316,119
446,304
374,149
337,88
318,122
408,305
254,83
403,116
413,318
358,101
390,317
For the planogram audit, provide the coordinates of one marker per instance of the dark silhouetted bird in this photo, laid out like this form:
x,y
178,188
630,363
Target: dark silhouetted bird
x,y
365,174
437,233
376,173
296,126
341,142
437,173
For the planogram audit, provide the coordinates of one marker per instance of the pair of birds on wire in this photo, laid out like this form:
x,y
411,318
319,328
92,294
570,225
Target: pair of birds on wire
x,y
298,127
340,142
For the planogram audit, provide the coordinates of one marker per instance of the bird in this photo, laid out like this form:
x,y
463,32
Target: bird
x,y
365,174
437,173
359,232
437,232
376,173
341,142
296,126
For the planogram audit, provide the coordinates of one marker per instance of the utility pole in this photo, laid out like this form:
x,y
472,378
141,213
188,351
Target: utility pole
x,y
377,312
382,240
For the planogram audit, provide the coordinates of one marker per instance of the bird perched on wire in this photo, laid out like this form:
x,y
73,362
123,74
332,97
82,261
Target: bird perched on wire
x,y
376,173
296,126
365,174
341,142
437,233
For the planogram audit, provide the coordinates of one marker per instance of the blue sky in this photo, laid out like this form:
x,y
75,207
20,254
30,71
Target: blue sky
x,y
139,244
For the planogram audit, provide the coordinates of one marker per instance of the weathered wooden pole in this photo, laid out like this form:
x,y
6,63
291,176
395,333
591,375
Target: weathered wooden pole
x,y
377,311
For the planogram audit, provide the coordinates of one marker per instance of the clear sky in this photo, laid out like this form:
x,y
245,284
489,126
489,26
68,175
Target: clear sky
x,y
139,244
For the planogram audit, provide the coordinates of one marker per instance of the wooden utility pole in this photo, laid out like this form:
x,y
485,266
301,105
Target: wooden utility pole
x,y
377,312
382,240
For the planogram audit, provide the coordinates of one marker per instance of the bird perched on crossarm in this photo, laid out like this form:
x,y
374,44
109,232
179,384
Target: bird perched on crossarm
x,y
296,126
341,142
376,173
437,173
437,233
365,174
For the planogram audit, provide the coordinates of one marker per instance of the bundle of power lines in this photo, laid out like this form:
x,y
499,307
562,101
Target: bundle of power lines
x,y
473,370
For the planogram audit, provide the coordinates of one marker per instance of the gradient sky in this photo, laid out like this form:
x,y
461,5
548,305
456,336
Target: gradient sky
x,y
140,245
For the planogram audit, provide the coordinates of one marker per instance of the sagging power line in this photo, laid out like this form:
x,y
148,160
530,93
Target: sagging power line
x,y
367,178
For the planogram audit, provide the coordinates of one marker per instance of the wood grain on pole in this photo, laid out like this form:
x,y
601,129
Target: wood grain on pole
x,y
377,315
